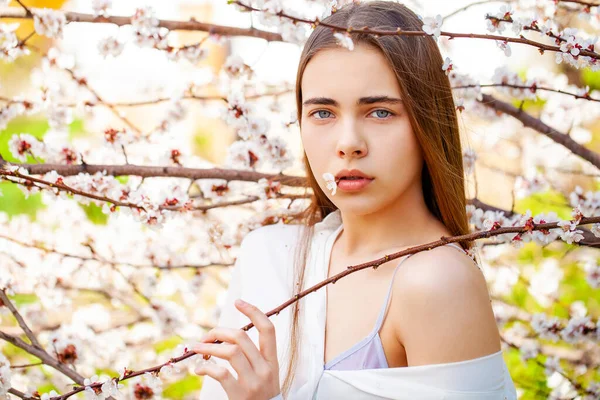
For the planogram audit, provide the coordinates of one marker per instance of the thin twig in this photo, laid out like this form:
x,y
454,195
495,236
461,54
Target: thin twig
x,y
355,268
27,10
30,335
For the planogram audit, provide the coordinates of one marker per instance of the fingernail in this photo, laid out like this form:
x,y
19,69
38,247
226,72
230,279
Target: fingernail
x,y
240,303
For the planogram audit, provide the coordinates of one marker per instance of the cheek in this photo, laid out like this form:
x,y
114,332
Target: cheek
x,y
400,156
313,147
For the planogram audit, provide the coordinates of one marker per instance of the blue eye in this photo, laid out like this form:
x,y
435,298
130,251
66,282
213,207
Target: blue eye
x,y
386,113
320,114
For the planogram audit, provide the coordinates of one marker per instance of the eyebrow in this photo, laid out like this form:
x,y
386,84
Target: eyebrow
x,y
326,101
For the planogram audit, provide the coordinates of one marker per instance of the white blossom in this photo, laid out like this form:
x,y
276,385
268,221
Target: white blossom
x,y
144,20
23,145
234,65
330,181
192,54
110,46
547,328
49,22
101,7
552,365
529,349
344,40
244,154
504,46
596,229
433,25
49,395
5,376
254,128
293,33
469,158
9,41
447,66
111,388
592,274
575,331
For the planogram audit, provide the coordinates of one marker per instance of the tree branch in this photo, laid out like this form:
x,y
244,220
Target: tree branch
x,y
536,124
191,25
169,172
4,299
44,356
355,268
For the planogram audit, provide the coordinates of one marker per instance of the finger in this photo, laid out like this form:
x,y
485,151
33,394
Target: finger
x,y
266,329
239,337
230,352
223,376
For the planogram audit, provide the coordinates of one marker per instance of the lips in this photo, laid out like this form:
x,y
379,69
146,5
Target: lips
x,y
353,174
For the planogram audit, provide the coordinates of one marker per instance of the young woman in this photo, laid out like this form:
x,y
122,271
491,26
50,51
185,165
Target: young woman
x,y
381,119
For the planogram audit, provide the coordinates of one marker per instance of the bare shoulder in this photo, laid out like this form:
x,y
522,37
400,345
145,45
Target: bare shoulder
x,y
442,309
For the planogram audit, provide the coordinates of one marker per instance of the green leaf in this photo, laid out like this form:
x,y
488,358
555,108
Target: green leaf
x,y
528,375
591,78
183,387
47,388
575,287
544,202
94,213
203,143
21,299
36,127
529,106
167,344
13,201
122,178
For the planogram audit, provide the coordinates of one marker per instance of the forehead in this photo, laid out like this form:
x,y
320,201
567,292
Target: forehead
x,y
343,74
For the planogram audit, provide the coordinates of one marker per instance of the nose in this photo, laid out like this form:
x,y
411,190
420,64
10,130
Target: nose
x,y
351,141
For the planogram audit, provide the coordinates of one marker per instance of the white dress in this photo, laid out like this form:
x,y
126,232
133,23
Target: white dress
x,y
263,276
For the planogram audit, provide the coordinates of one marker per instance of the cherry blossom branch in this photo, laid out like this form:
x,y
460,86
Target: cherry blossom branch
x,y
20,394
581,2
532,88
191,25
30,335
537,124
27,10
105,261
451,35
81,81
575,384
38,352
528,228
44,356
476,3
247,200
60,186
165,171
25,365
589,239
531,226
156,101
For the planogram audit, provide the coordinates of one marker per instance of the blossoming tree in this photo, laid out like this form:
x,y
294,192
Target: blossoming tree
x,y
113,228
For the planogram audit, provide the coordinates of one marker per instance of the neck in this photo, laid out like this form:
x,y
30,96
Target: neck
x,y
407,222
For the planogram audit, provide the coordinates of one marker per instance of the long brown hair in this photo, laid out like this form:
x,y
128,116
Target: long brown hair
x,y
427,95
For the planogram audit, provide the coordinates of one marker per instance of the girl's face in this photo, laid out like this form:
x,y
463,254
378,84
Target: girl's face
x,y
353,117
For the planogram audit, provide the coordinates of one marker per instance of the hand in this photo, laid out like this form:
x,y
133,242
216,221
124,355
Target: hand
x,y
257,370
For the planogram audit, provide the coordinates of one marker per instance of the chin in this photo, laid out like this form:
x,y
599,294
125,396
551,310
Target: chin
x,y
356,204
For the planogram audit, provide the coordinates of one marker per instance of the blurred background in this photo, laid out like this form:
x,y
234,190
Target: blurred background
x,y
85,276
